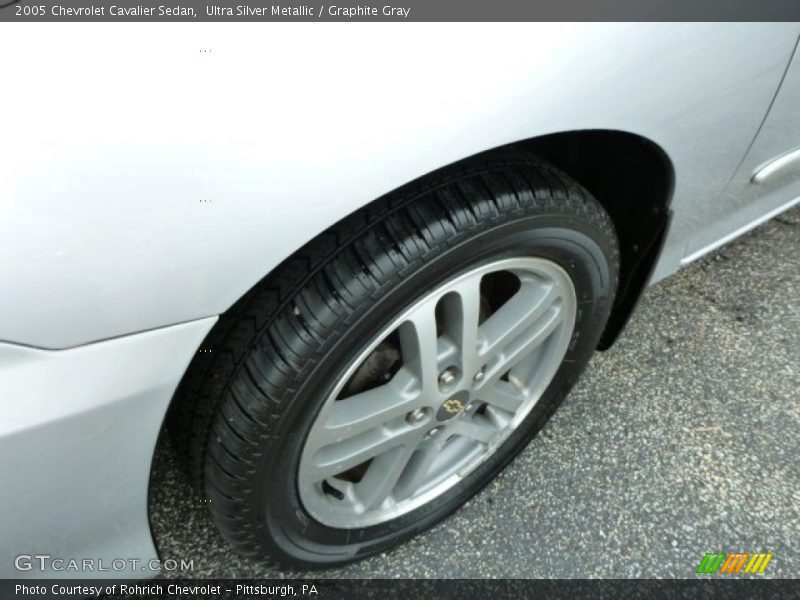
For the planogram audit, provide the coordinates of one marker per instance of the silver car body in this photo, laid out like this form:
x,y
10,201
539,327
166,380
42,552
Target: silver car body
x,y
145,187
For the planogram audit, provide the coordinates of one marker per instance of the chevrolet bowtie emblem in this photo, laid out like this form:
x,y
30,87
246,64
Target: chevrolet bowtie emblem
x,y
453,406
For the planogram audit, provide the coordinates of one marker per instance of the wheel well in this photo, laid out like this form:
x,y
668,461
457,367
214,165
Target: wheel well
x,y
633,179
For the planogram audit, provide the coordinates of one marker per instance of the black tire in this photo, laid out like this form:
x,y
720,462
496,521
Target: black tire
x,y
243,409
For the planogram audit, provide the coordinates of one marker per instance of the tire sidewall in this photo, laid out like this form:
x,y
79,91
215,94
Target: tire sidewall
x,y
571,242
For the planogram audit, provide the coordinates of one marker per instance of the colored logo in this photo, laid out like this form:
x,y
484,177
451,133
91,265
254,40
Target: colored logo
x,y
734,562
453,406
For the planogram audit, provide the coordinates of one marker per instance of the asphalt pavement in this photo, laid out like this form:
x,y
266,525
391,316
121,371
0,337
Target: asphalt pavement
x,y
682,439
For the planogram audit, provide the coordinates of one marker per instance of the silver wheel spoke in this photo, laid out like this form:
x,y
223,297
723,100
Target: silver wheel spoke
x,y
355,415
382,476
524,344
341,456
520,313
417,469
462,321
478,429
501,394
419,343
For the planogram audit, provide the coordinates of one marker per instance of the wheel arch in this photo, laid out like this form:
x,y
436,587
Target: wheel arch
x,y
633,178
630,175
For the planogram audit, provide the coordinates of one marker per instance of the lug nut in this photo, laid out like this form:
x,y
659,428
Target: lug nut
x,y
479,376
416,416
434,431
447,378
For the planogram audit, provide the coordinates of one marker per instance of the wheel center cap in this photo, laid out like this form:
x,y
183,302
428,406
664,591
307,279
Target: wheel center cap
x,y
455,405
